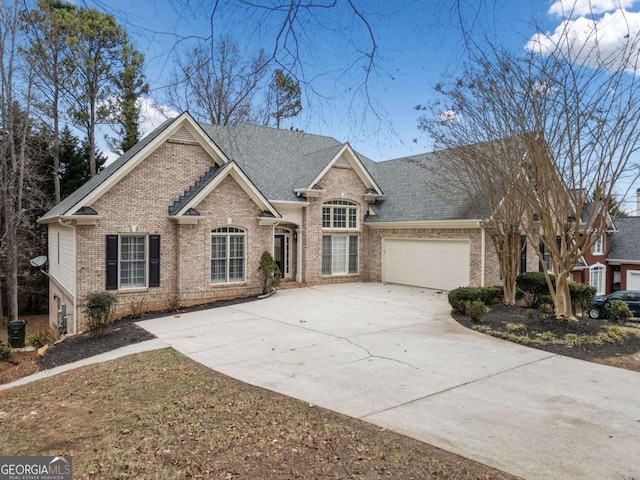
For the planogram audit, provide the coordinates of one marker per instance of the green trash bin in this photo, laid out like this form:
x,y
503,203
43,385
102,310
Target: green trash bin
x,y
16,332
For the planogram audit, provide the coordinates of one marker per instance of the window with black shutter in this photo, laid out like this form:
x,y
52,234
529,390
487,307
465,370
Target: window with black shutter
x,y
132,261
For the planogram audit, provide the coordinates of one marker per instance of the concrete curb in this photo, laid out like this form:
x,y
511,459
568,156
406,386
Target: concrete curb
x,y
147,346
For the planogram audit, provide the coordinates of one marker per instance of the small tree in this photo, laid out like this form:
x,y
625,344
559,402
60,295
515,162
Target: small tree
x,y
271,275
284,92
99,311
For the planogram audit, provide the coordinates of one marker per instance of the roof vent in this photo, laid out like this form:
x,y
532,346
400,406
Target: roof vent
x,y
183,135
86,211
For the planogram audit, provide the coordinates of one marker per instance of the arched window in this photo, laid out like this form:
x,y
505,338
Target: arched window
x,y
340,214
228,255
596,278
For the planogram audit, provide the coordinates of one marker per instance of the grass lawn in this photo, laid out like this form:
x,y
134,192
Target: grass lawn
x,y
160,415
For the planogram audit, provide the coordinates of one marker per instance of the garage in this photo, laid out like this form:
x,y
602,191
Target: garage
x,y
440,264
633,279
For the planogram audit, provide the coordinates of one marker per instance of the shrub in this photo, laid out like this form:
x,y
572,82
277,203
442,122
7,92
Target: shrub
x,y
271,275
582,296
618,311
476,309
173,302
458,297
42,337
137,306
493,294
99,311
533,284
545,300
5,352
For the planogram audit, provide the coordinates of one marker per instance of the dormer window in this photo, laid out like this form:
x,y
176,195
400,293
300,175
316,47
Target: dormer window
x,y
340,214
598,247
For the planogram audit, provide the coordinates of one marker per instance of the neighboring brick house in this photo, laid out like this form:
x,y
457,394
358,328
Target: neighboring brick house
x,y
187,212
613,262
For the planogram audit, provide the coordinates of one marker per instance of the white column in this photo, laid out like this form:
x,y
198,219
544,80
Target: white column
x,y
299,232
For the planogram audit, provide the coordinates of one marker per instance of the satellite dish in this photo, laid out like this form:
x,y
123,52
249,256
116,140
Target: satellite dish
x,y
38,261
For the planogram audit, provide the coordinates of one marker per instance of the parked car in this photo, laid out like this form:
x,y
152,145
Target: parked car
x,y
630,297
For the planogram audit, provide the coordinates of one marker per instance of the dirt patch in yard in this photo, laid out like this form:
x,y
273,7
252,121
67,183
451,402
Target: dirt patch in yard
x,y
161,415
587,339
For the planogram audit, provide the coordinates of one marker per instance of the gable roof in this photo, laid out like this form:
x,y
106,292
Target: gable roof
x,y
277,161
625,244
98,185
208,182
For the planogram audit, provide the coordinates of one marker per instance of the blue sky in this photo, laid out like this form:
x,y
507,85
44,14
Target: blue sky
x,y
419,42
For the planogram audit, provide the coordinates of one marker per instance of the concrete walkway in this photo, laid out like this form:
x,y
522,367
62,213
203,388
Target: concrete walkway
x,y
392,355
146,346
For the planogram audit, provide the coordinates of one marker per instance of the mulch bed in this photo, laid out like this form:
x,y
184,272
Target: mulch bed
x,y
540,322
120,333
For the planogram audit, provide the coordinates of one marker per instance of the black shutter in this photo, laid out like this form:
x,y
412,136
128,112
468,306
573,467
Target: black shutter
x,y
559,242
154,260
112,262
542,267
523,253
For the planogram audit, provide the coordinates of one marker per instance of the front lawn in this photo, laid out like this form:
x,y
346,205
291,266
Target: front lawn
x,y
160,415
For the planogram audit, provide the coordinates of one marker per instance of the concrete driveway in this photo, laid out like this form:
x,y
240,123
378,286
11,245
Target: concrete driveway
x,y
392,355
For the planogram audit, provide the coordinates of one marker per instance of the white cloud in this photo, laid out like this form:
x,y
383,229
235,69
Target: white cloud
x,y
591,42
577,8
153,114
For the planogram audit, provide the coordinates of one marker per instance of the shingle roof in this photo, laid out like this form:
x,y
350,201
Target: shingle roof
x,y
194,189
277,161
625,241
280,161
94,182
412,194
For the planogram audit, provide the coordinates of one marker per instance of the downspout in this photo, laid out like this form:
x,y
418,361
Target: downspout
x,y
75,276
483,247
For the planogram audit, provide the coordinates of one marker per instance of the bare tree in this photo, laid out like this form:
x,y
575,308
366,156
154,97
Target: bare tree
x,y
45,52
15,103
218,85
576,108
477,171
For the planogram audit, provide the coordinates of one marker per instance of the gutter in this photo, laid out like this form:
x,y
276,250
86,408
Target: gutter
x,y
70,225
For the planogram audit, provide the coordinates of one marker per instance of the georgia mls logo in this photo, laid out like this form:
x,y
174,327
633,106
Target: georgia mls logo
x,y
36,468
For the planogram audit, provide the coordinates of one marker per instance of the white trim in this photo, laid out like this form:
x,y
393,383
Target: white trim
x,y
288,236
227,235
483,260
287,203
355,163
231,168
456,224
600,243
622,262
146,262
184,120
604,277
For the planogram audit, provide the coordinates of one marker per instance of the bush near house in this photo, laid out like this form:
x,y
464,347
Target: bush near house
x,y
534,285
618,311
459,297
99,312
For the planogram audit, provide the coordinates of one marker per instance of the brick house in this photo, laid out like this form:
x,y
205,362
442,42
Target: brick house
x,y
613,263
186,213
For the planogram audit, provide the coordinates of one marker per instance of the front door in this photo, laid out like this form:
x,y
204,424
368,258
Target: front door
x,y
279,252
282,250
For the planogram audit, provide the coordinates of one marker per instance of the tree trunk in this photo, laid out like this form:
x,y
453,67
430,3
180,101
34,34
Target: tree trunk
x,y
55,153
92,139
563,310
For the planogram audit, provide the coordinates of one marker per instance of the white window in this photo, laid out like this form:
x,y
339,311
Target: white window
x,y
132,262
227,255
598,247
341,214
596,278
339,254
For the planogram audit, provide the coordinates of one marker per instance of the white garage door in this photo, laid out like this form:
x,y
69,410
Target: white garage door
x,y
440,264
633,279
